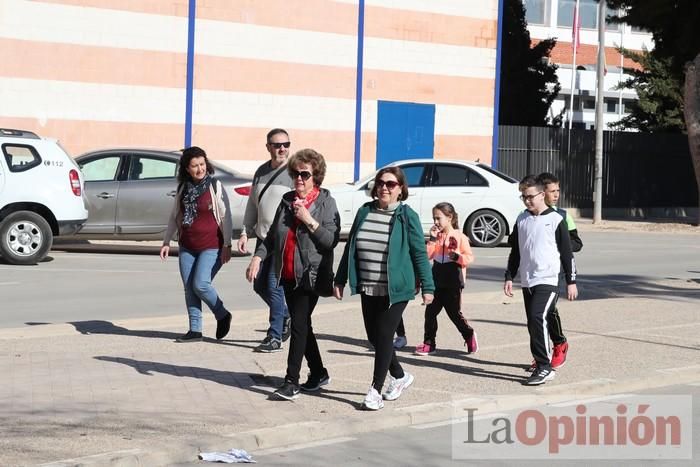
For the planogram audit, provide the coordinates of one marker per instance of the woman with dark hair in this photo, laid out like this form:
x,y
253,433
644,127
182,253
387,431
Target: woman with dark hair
x,y
301,239
384,255
201,217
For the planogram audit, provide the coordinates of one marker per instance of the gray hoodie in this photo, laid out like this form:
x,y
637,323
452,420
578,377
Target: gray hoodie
x,y
314,250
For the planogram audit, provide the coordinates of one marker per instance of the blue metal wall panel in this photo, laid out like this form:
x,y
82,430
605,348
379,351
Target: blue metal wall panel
x,y
405,130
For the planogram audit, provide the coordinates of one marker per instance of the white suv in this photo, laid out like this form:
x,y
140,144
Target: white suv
x,y
41,191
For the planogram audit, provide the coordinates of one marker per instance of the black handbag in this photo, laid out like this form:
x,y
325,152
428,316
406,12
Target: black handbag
x,y
320,280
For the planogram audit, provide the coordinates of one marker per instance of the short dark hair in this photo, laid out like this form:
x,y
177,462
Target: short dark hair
x,y
400,177
546,178
311,157
275,131
187,155
448,210
530,181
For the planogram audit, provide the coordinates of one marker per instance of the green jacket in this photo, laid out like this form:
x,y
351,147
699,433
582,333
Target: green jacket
x,y
407,256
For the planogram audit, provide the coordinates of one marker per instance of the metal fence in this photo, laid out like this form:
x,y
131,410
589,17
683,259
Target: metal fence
x,y
640,170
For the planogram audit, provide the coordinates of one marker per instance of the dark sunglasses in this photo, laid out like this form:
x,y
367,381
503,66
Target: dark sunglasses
x,y
304,174
390,184
279,145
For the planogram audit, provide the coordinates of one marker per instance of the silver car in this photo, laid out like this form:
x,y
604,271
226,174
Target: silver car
x,y
129,193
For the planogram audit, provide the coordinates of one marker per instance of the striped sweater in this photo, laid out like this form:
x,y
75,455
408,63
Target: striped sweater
x,y
372,248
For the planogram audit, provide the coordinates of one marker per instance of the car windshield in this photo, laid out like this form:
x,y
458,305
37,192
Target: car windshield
x,y
498,174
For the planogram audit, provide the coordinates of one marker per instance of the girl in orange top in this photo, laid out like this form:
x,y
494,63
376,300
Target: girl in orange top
x,y
449,249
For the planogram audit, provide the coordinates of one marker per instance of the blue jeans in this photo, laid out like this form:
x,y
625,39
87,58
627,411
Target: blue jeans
x,y
265,285
197,270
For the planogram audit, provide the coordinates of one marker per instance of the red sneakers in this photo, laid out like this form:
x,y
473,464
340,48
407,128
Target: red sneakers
x,y
472,344
425,348
559,355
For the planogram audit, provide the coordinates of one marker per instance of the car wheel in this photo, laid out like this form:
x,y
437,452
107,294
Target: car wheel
x,y
25,238
485,228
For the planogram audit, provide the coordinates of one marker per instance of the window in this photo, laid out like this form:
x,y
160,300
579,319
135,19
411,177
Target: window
x,y
588,13
103,169
495,172
589,103
536,11
146,168
20,157
612,26
414,174
452,175
611,105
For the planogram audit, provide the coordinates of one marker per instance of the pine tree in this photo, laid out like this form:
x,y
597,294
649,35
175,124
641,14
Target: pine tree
x,y
529,81
660,93
674,27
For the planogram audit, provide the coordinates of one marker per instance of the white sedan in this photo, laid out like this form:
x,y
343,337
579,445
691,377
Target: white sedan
x,y
487,201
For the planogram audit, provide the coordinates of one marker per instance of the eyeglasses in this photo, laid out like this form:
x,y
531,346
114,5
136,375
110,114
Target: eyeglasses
x,y
530,197
304,174
286,144
390,184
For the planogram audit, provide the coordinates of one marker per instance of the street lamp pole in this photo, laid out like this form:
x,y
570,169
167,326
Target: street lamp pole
x,y
599,123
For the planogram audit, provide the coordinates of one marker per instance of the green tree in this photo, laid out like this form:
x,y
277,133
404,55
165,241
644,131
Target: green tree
x,y
660,92
673,25
529,81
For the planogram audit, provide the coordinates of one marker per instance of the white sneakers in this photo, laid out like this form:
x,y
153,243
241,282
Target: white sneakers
x,y
397,386
375,401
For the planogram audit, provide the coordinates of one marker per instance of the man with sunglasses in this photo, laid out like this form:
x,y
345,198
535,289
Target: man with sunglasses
x,y
270,182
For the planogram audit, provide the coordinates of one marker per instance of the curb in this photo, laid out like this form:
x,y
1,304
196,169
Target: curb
x,y
314,431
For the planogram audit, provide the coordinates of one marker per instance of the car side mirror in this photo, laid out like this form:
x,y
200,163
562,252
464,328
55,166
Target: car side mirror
x,y
369,187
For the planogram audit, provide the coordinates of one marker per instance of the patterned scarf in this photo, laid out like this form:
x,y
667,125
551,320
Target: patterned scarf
x,y
191,194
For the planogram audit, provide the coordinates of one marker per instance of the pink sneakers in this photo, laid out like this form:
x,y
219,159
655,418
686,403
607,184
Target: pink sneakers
x,y
426,348
559,355
472,344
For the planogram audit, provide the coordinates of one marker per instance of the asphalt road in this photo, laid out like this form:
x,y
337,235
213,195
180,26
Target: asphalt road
x,y
431,445
108,282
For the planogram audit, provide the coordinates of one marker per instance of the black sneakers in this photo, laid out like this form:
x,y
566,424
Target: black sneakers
x,y
286,328
191,336
288,391
223,326
314,383
540,376
269,345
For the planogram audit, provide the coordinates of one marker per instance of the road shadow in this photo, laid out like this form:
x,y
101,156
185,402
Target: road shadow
x,y
253,382
236,379
107,327
47,259
128,248
446,366
601,286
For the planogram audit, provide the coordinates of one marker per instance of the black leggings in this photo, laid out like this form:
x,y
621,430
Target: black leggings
x,y
401,330
451,300
381,321
303,341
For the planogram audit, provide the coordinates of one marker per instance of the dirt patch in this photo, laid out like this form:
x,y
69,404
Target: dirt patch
x,y
586,225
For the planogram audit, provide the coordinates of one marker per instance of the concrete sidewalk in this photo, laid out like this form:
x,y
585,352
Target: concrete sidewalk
x,y
124,393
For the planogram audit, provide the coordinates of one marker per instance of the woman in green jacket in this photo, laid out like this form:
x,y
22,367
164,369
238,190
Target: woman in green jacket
x,y
383,256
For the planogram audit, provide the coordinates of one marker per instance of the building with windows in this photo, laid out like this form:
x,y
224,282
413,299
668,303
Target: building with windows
x,y
219,74
554,18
